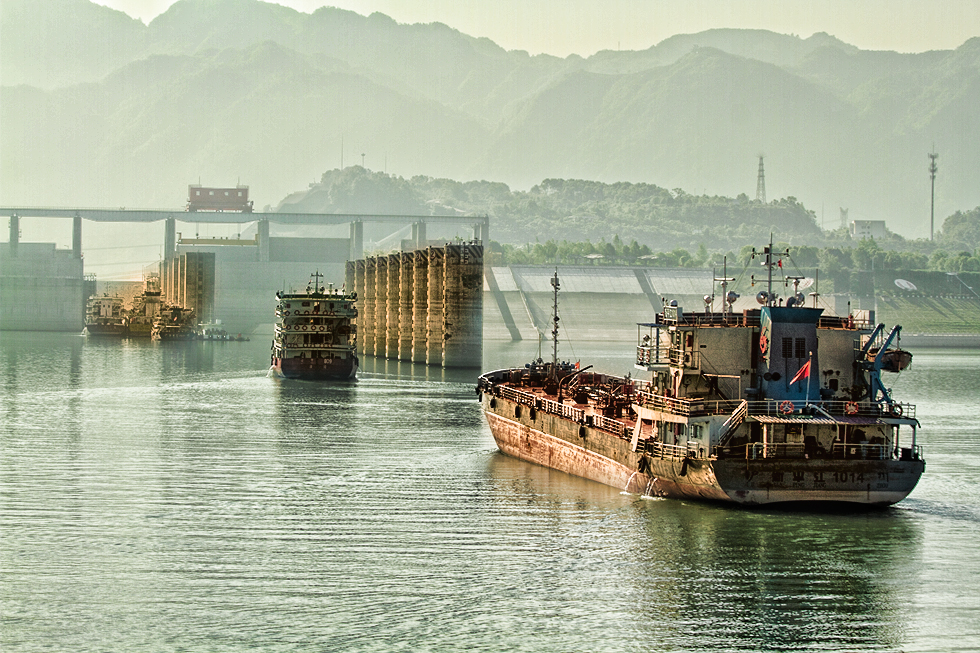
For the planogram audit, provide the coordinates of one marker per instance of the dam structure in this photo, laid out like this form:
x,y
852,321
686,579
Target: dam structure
x,y
233,280
421,306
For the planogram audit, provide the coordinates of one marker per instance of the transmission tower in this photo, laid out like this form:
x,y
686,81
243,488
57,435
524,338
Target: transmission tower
x,y
933,168
760,186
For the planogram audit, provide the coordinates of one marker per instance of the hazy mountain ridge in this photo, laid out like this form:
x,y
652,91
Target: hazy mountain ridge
x,y
228,90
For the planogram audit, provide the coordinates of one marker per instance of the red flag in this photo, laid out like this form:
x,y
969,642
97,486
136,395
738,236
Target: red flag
x,y
802,374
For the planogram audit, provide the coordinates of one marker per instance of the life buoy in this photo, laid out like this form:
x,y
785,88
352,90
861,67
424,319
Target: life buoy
x,y
304,327
285,312
786,407
897,410
851,408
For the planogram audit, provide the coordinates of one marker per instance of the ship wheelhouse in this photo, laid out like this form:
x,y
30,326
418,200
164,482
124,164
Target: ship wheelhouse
x,y
762,392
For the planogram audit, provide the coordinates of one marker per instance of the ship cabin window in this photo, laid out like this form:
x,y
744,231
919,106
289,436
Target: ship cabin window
x,y
801,347
331,306
787,347
306,303
834,384
211,193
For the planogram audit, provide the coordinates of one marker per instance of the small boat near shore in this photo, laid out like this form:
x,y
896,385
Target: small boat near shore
x,y
215,332
315,333
776,405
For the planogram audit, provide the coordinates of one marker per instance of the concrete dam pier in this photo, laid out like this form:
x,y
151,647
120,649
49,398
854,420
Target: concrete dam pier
x,y
422,306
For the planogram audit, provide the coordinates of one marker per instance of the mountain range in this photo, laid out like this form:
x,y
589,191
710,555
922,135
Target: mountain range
x,y
98,109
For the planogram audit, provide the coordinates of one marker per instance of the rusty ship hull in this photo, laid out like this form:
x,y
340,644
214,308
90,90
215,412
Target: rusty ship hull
x,y
588,452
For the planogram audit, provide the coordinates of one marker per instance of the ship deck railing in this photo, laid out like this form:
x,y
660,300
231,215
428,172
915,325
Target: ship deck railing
x,y
694,407
664,450
652,355
799,451
565,410
610,424
751,318
317,345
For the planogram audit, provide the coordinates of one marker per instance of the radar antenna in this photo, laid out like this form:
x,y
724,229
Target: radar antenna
x,y
767,297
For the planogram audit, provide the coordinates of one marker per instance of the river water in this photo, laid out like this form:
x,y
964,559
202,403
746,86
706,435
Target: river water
x,y
173,497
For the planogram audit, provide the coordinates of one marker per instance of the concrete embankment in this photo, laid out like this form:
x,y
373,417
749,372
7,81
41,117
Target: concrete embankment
x,y
605,304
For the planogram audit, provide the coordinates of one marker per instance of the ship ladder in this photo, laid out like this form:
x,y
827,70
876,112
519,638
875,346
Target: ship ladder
x,y
733,422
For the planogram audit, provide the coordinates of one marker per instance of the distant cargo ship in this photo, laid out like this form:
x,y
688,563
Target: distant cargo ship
x,y
175,323
779,404
146,309
316,334
105,316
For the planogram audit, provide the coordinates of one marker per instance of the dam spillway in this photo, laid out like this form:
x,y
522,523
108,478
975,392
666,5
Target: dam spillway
x,y
421,306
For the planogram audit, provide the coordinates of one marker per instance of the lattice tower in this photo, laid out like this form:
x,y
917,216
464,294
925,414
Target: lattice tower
x,y
760,186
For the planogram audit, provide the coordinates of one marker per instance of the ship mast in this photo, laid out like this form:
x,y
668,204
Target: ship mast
x,y
770,299
315,282
554,331
726,302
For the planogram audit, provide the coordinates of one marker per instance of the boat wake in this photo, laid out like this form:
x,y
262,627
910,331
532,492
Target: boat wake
x,y
943,510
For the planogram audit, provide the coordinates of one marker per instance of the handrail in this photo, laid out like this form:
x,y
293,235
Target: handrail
x,y
652,355
838,408
797,450
610,424
664,450
752,319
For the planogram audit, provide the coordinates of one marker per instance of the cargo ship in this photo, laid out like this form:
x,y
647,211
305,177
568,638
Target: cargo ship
x,y
146,309
105,316
778,404
175,323
315,333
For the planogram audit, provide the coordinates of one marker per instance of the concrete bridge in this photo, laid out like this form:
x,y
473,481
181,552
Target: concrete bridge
x,y
480,224
231,280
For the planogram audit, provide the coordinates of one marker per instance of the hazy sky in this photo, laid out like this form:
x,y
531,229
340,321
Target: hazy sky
x,y
563,27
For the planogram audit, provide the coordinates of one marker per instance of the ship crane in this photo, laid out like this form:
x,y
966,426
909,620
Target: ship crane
x,y
882,356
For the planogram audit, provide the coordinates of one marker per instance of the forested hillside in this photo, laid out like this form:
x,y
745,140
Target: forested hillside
x,y
564,220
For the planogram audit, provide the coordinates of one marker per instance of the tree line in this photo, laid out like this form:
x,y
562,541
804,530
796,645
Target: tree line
x,y
573,221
